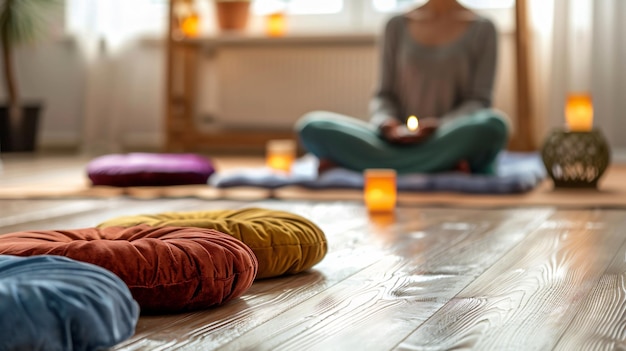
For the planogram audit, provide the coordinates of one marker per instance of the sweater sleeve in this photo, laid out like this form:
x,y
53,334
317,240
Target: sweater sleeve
x,y
383,105
479,95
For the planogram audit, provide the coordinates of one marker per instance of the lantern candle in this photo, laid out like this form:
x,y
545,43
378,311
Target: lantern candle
x,y
579,113
412,123
276,24
280,154
379,191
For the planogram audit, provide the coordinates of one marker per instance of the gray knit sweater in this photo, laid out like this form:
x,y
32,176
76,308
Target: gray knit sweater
x,y
435,81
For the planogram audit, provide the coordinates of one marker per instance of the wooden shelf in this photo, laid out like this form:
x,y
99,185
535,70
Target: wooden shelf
x,y
182,133
355,38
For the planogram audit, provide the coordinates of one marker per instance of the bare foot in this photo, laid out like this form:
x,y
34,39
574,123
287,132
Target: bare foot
x,y
325,165
463,166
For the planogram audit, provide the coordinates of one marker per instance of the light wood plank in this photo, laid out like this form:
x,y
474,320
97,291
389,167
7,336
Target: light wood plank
x,y
84,214
353,246
15,212
422,266
9,208
267,298
600,322
37,170
527,299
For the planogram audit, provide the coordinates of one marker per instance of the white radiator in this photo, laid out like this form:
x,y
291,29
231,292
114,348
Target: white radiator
x,y
261,85
271,86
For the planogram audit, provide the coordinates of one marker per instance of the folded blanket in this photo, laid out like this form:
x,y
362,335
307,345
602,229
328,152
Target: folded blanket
x,y
515,173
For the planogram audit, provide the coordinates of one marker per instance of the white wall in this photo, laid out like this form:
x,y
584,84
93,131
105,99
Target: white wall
x,y
51,71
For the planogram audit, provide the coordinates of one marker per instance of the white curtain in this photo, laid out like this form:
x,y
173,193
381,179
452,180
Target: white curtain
x,y
542,30
579,46
608,73
108,33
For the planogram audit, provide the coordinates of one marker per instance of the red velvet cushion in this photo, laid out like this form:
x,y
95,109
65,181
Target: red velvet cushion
x,y
167,269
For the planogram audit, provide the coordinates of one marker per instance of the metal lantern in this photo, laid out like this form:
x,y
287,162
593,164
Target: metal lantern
x,y
576,159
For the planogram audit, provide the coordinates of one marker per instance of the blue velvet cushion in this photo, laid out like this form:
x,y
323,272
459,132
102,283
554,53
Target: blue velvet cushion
x,y
515,173
55,303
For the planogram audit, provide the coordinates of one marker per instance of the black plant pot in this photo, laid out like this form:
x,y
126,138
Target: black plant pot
x,y
23,137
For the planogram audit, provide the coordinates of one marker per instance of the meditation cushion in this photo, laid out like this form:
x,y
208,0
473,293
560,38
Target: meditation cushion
x,y
146,169
515,173
284,243
167,269
55,303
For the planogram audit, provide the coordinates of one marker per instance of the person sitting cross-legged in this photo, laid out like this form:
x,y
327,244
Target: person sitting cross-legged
x,y
438,63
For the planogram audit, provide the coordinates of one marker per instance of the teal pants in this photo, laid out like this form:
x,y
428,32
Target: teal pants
x,y
357,145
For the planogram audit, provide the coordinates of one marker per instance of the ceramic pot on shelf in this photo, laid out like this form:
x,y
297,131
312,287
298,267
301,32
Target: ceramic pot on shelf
x,y
232,15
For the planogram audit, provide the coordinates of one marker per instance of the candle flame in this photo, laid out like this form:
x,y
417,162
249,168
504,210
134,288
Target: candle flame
x,y
412,123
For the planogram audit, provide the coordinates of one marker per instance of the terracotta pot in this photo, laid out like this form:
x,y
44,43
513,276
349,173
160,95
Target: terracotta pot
x,y
232,15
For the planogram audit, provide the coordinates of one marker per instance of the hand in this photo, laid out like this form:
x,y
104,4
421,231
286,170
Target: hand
x,y
397,133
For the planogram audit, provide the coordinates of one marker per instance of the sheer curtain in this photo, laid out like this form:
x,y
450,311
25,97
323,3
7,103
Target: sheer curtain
x,y
608,73
108,32
579,46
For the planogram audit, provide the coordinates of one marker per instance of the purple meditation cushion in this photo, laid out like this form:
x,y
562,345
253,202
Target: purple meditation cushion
x,y
149,169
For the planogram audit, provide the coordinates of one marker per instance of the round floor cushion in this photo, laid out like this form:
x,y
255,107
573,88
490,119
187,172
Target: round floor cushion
x,y
283,242
55,303
167,269
149,169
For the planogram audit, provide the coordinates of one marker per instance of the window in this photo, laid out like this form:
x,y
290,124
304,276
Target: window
x,y
116,18
394,5
360,15
400,5
308,15
318,7
298,7
501,11
128,18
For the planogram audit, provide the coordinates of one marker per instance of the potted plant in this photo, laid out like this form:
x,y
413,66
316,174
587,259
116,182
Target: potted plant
x,y
20,22
232,15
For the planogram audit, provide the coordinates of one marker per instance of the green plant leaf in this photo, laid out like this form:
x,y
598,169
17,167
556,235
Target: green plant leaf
x,y
22,20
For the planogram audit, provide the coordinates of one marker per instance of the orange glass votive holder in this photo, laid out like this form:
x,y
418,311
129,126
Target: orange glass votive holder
x,y
276,24
190,26
579,112
379,190
280,154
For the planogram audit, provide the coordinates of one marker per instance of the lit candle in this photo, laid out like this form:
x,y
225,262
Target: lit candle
x,y
412,123
379,190
191,26
579,113
276,24
188,18
280,154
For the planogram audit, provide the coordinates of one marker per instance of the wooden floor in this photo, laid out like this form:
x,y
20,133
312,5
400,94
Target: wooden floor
x,y
428,278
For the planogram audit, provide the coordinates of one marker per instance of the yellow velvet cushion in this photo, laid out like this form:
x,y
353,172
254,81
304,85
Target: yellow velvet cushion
x,y
284,243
